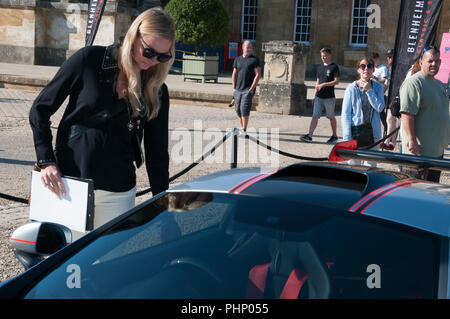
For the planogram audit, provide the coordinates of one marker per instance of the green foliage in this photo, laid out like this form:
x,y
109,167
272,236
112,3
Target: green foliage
x,y
199,22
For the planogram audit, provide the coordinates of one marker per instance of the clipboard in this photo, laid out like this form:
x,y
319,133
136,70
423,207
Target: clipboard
x,y
75,210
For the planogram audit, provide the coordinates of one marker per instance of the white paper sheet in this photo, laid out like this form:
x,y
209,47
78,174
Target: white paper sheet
x,y
70,210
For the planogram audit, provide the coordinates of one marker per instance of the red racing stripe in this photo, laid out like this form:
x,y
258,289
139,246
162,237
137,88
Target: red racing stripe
x,y
242,183
368,202
250,181
374,193
388,192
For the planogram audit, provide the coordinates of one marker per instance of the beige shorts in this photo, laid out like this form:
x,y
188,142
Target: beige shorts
x,y
320,104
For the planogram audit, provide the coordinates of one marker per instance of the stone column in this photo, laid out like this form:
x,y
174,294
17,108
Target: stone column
x,y
283,90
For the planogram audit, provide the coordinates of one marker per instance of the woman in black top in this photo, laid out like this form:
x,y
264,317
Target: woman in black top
x,y
116,95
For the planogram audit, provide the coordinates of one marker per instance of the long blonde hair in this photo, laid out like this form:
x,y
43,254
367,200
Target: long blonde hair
x,y
155,22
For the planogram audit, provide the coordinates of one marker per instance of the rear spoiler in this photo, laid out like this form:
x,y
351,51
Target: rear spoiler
x,y
348,150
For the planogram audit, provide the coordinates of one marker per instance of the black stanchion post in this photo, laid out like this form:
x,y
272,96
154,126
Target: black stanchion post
x,y
234,150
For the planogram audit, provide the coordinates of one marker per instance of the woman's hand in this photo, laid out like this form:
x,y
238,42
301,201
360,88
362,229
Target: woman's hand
x,y
366,85
51,178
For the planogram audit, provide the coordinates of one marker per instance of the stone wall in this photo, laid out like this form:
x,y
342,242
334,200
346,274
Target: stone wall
x,y
383,38
17,36
273,22
48,32
444,22
330,27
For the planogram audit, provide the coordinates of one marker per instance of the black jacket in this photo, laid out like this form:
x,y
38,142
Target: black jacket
x,y
103,152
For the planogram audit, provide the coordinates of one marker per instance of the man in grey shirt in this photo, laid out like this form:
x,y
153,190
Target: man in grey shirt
x,y
425,115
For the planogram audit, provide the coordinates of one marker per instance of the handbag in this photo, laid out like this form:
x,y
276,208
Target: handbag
x,y
395,107
363,134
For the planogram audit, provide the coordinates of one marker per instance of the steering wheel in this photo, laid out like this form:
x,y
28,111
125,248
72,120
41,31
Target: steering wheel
x,y
216,281
198,264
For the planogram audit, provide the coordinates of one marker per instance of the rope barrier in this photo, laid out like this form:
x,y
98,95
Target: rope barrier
x,y
191,166
270,148
211,151
14,198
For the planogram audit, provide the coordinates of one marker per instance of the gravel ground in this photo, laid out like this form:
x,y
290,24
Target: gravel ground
x,y
17,153
10,219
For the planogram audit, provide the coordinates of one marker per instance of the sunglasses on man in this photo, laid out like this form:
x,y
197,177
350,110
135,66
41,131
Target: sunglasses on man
x,y
428,48
149,53
363,66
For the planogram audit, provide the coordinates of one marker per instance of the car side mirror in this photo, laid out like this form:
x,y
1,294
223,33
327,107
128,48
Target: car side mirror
x,y
35,240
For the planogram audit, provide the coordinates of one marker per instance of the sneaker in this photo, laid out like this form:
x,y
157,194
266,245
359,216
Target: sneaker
x,y
332,139
306,138
242,133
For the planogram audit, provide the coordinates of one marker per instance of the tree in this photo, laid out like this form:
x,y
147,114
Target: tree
x,y
199,22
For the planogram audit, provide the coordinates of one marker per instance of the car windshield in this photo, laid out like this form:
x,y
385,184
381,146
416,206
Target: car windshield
x,y
207,245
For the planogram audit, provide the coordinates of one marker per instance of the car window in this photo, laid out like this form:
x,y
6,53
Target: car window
x,y
369,260
204,245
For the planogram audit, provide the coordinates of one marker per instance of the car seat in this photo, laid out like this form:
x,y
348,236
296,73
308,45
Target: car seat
x,y
294,271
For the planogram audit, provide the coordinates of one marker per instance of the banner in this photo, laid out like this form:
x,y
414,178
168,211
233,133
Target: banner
x,y
95,12
444,70
416,29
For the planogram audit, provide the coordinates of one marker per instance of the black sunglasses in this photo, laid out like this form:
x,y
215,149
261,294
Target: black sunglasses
x,y
428,48
149,53
363,66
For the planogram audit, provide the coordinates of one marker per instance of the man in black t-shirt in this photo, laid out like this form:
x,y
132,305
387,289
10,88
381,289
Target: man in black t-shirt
x,y
327,78
246,74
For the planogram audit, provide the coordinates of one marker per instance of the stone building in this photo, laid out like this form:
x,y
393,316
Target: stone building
x,y
339,24
46,32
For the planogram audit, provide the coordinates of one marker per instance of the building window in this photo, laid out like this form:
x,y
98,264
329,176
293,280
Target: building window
x,y
358,31
302,21
249,8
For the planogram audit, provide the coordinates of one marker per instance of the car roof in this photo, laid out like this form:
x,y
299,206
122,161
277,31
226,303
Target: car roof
x,y
359,190
222,181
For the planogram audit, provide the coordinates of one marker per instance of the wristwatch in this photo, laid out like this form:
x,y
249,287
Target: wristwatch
x,y
42,164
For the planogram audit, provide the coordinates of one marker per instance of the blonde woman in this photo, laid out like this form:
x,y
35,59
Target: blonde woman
x,y
117,97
